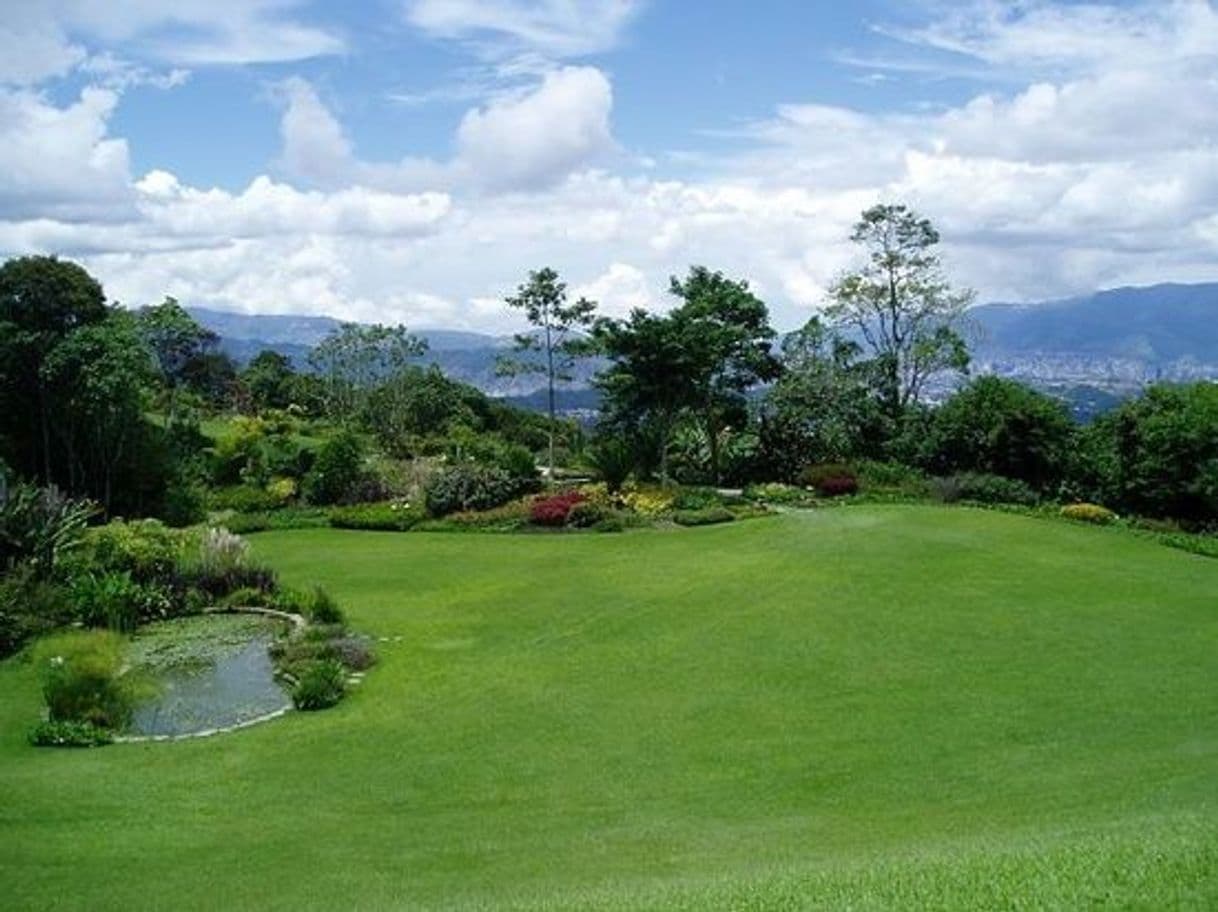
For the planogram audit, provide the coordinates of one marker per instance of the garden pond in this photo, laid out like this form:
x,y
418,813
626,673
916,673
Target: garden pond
x,y
209,672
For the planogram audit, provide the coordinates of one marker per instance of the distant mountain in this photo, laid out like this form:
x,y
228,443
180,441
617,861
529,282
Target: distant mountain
x,y
1121,337
1090,349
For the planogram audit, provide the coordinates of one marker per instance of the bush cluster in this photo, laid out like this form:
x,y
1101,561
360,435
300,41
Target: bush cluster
x,y
391,516
469,486
554,510
83,679
320,685
706,517
1089,513
985,489
830,479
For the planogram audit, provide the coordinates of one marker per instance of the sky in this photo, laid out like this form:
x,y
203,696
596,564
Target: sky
x,y
411,160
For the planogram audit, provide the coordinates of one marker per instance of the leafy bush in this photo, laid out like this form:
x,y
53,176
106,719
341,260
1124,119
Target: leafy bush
x,y
586,515
321,684
777,493
69,734
650,501
116,601
469,487
553,510
243,499
355,652
82,679
892,477
284,518
324,609
830,479
29,606
1089,513
40,526
613,458
697,498
507,517
706,517
221,565
336,471
249,597
184,504
146,549
986,489
394,516
613,522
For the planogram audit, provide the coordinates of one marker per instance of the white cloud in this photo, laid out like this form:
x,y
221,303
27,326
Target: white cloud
x,y
554,28
514,142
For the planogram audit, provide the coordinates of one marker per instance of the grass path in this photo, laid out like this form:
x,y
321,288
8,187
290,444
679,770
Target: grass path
x,y
878,706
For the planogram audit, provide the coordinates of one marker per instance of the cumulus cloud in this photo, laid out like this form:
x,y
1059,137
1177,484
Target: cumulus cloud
x,y
517,141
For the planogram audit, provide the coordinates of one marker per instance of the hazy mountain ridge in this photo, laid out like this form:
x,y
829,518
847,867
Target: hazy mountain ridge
x,y
1114,340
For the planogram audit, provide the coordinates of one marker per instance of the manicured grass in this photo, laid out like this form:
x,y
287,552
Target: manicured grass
x,y
875,707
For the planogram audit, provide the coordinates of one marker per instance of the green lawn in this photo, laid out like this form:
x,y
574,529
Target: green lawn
x,y
873,707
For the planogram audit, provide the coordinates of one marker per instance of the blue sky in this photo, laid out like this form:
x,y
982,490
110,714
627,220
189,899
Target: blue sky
x,y
412,159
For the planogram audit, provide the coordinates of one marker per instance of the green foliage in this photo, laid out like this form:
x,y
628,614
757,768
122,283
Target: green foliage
x,y
69,733
268,378
1158,455
1089,513
285,518
30,606
776,492
82,678
697,498
115,601
1000,427
830,479
354,358
392,516
180,346
901,305
185,503
320,684
243,498
613,458
322,608
981,488
469,487
708,516
146,549
892,478
337,470
40,526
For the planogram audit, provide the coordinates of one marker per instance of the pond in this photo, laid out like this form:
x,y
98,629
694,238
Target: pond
x,y
209,672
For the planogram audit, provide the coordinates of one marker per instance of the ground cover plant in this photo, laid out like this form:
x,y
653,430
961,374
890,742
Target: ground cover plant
x,y
872,707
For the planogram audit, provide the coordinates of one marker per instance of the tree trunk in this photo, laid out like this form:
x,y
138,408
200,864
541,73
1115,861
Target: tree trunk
x,y
550,389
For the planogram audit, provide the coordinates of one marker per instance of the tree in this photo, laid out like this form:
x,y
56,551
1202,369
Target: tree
x,y
647,386
823,408
726,335
268,379
100,378
559,337
42,300
1001,427
901,305
356,357
184,351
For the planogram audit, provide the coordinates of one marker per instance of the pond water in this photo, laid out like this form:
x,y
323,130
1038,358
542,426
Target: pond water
x,y
209,672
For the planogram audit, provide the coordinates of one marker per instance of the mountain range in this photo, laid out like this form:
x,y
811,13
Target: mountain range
x,y
1112,341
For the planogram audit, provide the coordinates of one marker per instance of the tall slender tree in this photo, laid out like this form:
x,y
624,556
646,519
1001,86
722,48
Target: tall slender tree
x,y
559,338
900,303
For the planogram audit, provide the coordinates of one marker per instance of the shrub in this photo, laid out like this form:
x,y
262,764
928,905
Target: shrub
x,y
507,517
116,601
222,565
986,489
284,518
553,510
146,549
613,458
650,501
585,515
469,487
69,734
613,522
249,597
82,678
1089,513
322,608
29,606
355,652
892,477
697,498
778,493
40,526
706,517
321,684
243,499
830,479
336,471
394,516
184,504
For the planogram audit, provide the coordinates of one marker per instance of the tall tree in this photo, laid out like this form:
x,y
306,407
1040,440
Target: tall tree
x,y
268,378
42,299
901,304
184,351
356,357
101,377
727,336
646,387
559,337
